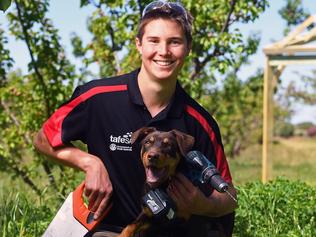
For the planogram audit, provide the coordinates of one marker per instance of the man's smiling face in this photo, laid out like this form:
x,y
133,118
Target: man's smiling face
x,y
163,49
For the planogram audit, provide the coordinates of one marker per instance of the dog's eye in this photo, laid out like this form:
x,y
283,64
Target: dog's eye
x,y
147,142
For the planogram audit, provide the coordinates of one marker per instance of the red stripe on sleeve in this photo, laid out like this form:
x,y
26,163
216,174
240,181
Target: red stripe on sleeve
x,y
221,162
53,126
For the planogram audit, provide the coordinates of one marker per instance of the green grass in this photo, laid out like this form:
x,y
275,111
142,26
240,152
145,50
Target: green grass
x,y
293,158
20,216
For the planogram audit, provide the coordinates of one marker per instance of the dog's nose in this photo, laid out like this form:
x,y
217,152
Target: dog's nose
x,y
153,157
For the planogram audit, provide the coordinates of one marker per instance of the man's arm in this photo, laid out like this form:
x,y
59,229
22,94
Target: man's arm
x,y
191,200
98,187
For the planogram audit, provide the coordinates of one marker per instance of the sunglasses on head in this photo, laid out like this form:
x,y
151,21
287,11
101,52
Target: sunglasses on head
x,y
174,6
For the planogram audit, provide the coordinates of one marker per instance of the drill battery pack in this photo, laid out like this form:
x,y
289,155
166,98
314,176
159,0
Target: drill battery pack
x,y
160,204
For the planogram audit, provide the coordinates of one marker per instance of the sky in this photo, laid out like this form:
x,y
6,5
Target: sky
x,y
68,17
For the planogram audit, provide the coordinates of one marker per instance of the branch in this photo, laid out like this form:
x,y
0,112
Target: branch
x,y
50,175
231,10
29,141
26,179
115,48
95,4
140,7
303,95
34,63
14,119
200,65
42,82
22,174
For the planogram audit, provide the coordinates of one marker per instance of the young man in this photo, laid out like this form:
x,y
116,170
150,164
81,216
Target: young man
x,y
103,114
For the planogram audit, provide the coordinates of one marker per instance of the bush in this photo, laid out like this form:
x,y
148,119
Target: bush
x,y
278,208
311,132
304,125
285,130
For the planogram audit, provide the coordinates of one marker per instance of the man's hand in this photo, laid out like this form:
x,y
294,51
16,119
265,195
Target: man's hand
x,y
191,200
188,198
98,187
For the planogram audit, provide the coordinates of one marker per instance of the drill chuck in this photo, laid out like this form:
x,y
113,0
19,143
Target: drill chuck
x,y
209,173
212,177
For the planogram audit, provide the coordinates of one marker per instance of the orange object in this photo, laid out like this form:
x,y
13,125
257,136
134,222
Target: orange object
x,y
73,219
81,212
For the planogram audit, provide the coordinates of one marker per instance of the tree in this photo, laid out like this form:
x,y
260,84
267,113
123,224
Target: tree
x,y
27,100
305,93
293,13
237,106
6,62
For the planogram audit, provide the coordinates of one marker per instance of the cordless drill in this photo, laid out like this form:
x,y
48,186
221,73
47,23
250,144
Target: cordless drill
x,y
200,171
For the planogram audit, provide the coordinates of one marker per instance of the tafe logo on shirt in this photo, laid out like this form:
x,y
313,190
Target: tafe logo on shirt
x,y
121,143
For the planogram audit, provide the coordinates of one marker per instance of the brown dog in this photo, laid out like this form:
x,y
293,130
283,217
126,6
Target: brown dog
x,y
160,154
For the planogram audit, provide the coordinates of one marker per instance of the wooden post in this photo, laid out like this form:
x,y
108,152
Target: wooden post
x,y
267,128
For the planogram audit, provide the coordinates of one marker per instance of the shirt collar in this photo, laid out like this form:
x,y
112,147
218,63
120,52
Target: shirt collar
x,y
176,105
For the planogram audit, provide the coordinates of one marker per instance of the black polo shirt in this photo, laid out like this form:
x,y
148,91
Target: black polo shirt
x,y
104,113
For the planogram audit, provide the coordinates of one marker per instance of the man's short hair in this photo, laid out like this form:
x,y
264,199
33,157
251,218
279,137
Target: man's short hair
x,y
166,12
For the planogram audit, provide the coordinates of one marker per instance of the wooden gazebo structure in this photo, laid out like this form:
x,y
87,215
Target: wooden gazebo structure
x,y
293,49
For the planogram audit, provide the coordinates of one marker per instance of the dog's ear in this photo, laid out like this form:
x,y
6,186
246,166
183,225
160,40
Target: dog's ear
x,y
141,133
185,141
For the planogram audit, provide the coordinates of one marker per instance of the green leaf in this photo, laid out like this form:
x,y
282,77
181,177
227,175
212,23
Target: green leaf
x,y
4,5
84,3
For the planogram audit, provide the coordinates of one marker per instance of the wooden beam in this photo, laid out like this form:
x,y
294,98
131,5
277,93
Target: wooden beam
x,y
305,38
296,31
277,60
290,49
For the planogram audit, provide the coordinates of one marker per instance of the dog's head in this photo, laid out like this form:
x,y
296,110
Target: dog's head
x,y
161,152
